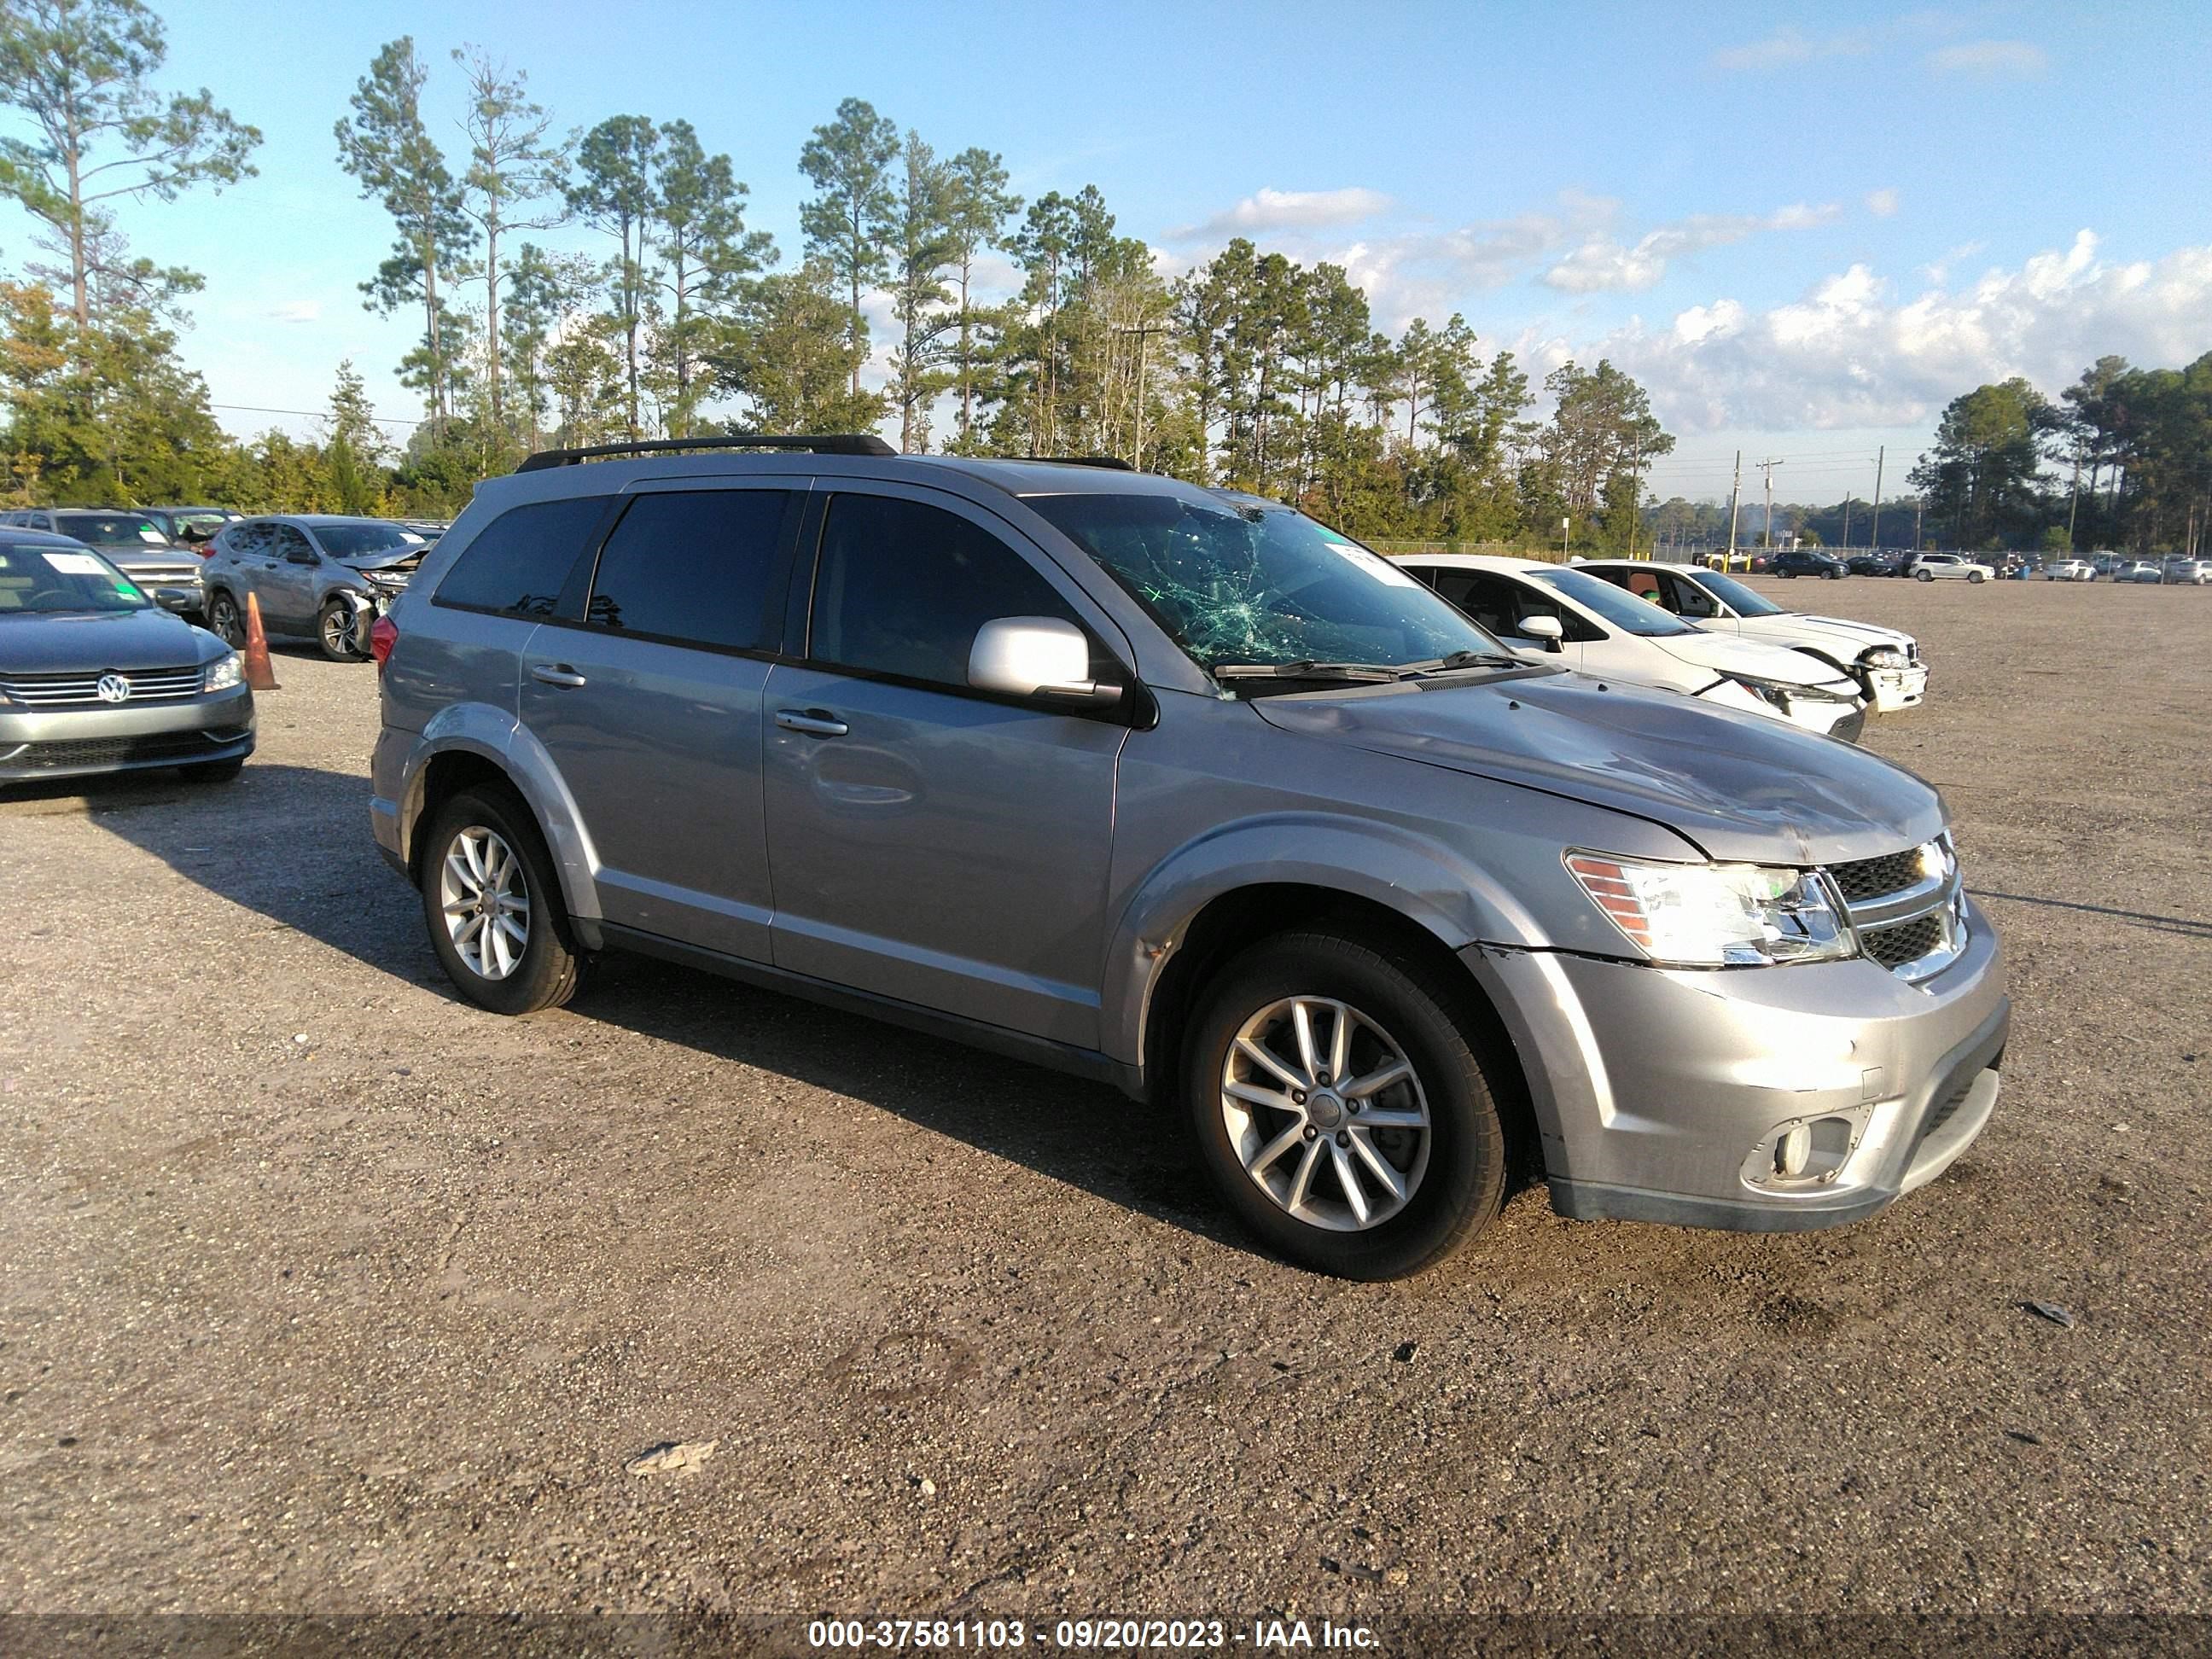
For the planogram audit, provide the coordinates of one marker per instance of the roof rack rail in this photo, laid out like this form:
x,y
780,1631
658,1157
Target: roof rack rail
x,y
1112,463
827,443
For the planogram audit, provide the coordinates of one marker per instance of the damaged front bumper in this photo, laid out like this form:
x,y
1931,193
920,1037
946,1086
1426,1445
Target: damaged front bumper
x,y
1756,1099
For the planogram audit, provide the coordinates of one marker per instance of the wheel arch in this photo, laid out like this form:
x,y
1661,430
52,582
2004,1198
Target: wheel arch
x,y
1233,919
468,745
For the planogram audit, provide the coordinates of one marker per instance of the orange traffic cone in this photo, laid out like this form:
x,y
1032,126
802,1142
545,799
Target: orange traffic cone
x,y
258,674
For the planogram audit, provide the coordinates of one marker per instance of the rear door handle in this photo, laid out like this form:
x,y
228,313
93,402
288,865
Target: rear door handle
x,y
558,674
815,722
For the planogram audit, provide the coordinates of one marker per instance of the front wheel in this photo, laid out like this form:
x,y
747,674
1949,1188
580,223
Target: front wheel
x,y
493,906
225,623
336,633
1341,1109
1831,574
1974,575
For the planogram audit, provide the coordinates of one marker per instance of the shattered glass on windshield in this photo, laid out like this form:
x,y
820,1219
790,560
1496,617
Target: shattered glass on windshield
x,y
1260,585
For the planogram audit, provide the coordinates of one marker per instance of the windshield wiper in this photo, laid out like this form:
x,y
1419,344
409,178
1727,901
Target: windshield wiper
x,y
1362,671
1462,659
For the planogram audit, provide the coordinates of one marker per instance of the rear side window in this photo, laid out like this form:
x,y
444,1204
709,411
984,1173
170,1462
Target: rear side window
x,y
902,589
695,566
520,562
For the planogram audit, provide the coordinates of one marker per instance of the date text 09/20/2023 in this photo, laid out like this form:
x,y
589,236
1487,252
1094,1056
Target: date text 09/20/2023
x,y
1090,1635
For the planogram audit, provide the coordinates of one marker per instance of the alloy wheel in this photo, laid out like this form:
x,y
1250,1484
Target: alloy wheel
x,y
338,631
486,902
1326,1112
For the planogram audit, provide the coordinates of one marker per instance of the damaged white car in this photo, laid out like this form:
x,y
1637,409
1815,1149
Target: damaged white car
x,y
1886,663
1571,618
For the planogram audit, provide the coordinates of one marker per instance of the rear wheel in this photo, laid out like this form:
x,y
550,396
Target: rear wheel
x,y
224,621
1923,576
1342,1109
493,905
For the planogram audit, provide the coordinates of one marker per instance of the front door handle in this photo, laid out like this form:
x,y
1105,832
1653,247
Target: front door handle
x,y
558,674
815,722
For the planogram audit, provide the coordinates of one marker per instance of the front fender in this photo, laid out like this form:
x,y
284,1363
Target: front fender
x,y
1421,878
494,735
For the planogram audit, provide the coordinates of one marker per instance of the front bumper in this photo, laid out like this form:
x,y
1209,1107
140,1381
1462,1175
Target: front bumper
x,y
1892,689
37,745
1662,1094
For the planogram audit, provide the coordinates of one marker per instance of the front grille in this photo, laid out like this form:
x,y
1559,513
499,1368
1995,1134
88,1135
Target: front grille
x,y
81,688
1893,947
1872,878
140,570
114,752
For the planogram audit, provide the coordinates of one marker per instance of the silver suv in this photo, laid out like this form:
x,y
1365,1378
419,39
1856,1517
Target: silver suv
x,y
1099,769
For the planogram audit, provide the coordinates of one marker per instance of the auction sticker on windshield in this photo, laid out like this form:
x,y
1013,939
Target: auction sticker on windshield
x,y
1373,563
75,564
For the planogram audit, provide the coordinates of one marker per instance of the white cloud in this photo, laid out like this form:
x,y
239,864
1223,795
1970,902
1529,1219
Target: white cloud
x,y
1289,210
297,311
1604,265
2012,59
1881,202
1786,48
1852,354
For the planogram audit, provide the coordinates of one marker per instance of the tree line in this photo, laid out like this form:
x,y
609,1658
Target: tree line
x,y
601,284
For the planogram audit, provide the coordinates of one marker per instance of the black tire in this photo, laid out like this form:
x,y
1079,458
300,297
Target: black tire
x,y
1975,576
334,632
1923,576
1833,575
546,973
1462,1186
214,771
225,620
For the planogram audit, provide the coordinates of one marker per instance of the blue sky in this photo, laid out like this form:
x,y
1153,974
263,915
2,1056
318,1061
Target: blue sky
x,y
1803,227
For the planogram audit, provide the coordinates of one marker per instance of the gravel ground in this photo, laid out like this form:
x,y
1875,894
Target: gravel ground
x,y
323,1292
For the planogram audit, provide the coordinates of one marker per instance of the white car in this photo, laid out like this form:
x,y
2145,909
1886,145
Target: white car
x,y
1885,663
2190,571
2069,570
1567,616
1935,567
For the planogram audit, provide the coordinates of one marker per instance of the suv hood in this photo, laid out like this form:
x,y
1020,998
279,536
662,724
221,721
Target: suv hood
x,y
98,641
1743,787
397,558
1730,654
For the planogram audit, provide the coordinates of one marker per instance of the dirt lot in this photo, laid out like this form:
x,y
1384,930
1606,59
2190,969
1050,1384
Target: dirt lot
x,y
323,1291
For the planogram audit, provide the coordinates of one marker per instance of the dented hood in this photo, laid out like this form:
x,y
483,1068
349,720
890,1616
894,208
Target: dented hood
x,y
1741,786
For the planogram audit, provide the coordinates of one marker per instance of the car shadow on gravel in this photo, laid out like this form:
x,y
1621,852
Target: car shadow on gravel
x,y
2182,924
292,844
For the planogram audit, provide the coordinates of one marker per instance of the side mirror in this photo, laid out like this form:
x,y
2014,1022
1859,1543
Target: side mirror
x,y
300,555
1546,629
1035,656
176,599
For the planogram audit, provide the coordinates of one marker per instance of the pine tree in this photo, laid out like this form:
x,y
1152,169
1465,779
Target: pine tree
x,y
852,221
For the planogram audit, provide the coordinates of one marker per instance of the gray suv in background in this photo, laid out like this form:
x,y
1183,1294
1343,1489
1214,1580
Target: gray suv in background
x,y
1197,796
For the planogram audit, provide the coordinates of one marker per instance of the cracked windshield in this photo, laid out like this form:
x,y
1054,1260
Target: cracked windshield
x,y
1263,587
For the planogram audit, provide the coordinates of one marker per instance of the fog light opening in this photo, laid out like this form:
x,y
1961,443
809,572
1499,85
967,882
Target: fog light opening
x,y
1793,1150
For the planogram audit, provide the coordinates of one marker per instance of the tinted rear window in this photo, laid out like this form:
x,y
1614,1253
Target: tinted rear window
x,y
694,566
522,558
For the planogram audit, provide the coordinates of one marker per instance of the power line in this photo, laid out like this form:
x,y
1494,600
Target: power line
x,y
311,414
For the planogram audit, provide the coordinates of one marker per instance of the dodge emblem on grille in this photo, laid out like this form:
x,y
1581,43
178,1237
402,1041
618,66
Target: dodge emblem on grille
x,y
114,688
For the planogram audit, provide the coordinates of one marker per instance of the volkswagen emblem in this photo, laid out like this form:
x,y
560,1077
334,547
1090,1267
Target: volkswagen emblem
x,y
114,688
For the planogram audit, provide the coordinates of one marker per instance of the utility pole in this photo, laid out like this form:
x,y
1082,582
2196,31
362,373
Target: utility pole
x,y
1847,521
1767,467
1880,455
1736,492
2073,497
1635,499
1915,525
1143,342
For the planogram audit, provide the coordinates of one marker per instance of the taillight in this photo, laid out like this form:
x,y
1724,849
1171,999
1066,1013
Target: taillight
x,y
382,637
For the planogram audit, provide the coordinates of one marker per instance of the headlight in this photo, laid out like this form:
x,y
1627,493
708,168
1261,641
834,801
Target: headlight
x,y
1773,693
222,673
1885,656
1716,916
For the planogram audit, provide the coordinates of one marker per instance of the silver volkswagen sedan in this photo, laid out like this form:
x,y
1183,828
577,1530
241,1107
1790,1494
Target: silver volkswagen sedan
x,y
97,676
